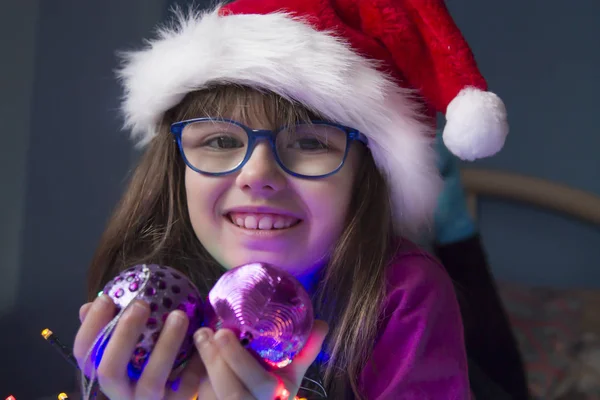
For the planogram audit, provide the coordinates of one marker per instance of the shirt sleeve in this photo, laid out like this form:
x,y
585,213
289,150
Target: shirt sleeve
x,y
420,353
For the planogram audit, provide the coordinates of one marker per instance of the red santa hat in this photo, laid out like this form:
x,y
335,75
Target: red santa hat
x,y
385,67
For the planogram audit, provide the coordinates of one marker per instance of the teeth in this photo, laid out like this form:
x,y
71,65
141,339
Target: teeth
x,y
265,223
262,221
251,222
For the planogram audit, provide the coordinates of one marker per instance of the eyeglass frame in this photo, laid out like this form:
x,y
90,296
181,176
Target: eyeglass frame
x,y
255,135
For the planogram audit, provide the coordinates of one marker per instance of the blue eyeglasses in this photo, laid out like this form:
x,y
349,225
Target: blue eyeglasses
x,y
217,146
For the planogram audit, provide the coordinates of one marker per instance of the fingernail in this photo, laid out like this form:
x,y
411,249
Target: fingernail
x,y
138,307
201,337
102,301
176,318
221,338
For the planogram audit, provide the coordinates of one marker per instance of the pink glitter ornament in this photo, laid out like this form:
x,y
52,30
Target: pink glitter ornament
x,y
164,289
266,307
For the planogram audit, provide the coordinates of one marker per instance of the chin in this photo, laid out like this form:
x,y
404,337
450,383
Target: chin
x,y
274,258
279,259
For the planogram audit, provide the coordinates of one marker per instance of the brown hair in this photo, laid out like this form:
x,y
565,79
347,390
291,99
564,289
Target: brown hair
x,y
151,225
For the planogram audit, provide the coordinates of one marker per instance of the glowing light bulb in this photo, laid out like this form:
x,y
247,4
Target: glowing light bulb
x,y
284,394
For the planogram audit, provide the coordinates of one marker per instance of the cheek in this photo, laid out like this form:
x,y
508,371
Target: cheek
x,y
328,203
329,200
202,195
196,197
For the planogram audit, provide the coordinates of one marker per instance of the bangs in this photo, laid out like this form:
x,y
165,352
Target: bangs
x,y
242,103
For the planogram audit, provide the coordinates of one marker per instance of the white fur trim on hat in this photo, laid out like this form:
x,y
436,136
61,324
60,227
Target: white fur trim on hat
x,y
280,53
476,124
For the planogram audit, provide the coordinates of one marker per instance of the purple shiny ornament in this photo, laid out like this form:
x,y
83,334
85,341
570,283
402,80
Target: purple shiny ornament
x,y
267,307
164,289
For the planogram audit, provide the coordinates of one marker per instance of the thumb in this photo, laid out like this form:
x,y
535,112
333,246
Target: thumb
x,y
310,351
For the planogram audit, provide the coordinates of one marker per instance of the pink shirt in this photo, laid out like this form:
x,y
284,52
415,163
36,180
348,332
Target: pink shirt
x,y
420,353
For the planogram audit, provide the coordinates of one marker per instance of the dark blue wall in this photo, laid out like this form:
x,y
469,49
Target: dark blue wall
x,y
543,58
75,165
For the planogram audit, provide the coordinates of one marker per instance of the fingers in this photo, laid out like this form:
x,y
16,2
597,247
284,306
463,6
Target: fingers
x,y
309,352
258,381
83,311
112,371
225,383
191,381
151,384
98,315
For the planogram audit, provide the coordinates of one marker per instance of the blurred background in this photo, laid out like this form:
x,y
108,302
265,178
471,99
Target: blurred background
x,y
64,160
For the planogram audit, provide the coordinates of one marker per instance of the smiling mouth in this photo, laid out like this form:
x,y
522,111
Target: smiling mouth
x,y
263,222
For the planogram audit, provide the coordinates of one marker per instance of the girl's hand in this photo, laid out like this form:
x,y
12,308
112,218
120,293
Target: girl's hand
x,y
112,371
235,374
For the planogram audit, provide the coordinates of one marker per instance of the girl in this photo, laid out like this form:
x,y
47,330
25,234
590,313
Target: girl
x,y
292,132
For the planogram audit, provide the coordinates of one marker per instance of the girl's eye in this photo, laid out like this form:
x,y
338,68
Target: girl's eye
x,y
310,144
223,143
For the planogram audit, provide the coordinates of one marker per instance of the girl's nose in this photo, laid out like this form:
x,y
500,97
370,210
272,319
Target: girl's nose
x,y
261,174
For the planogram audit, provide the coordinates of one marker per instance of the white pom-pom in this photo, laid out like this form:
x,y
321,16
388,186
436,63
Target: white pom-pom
x,y
476,124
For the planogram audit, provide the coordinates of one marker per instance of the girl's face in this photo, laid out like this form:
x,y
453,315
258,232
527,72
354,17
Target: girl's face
x,y
263,214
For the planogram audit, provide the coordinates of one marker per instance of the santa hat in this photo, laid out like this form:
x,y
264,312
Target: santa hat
x,y
384,67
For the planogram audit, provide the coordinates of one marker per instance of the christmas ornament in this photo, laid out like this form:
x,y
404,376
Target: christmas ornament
x,y
266,307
